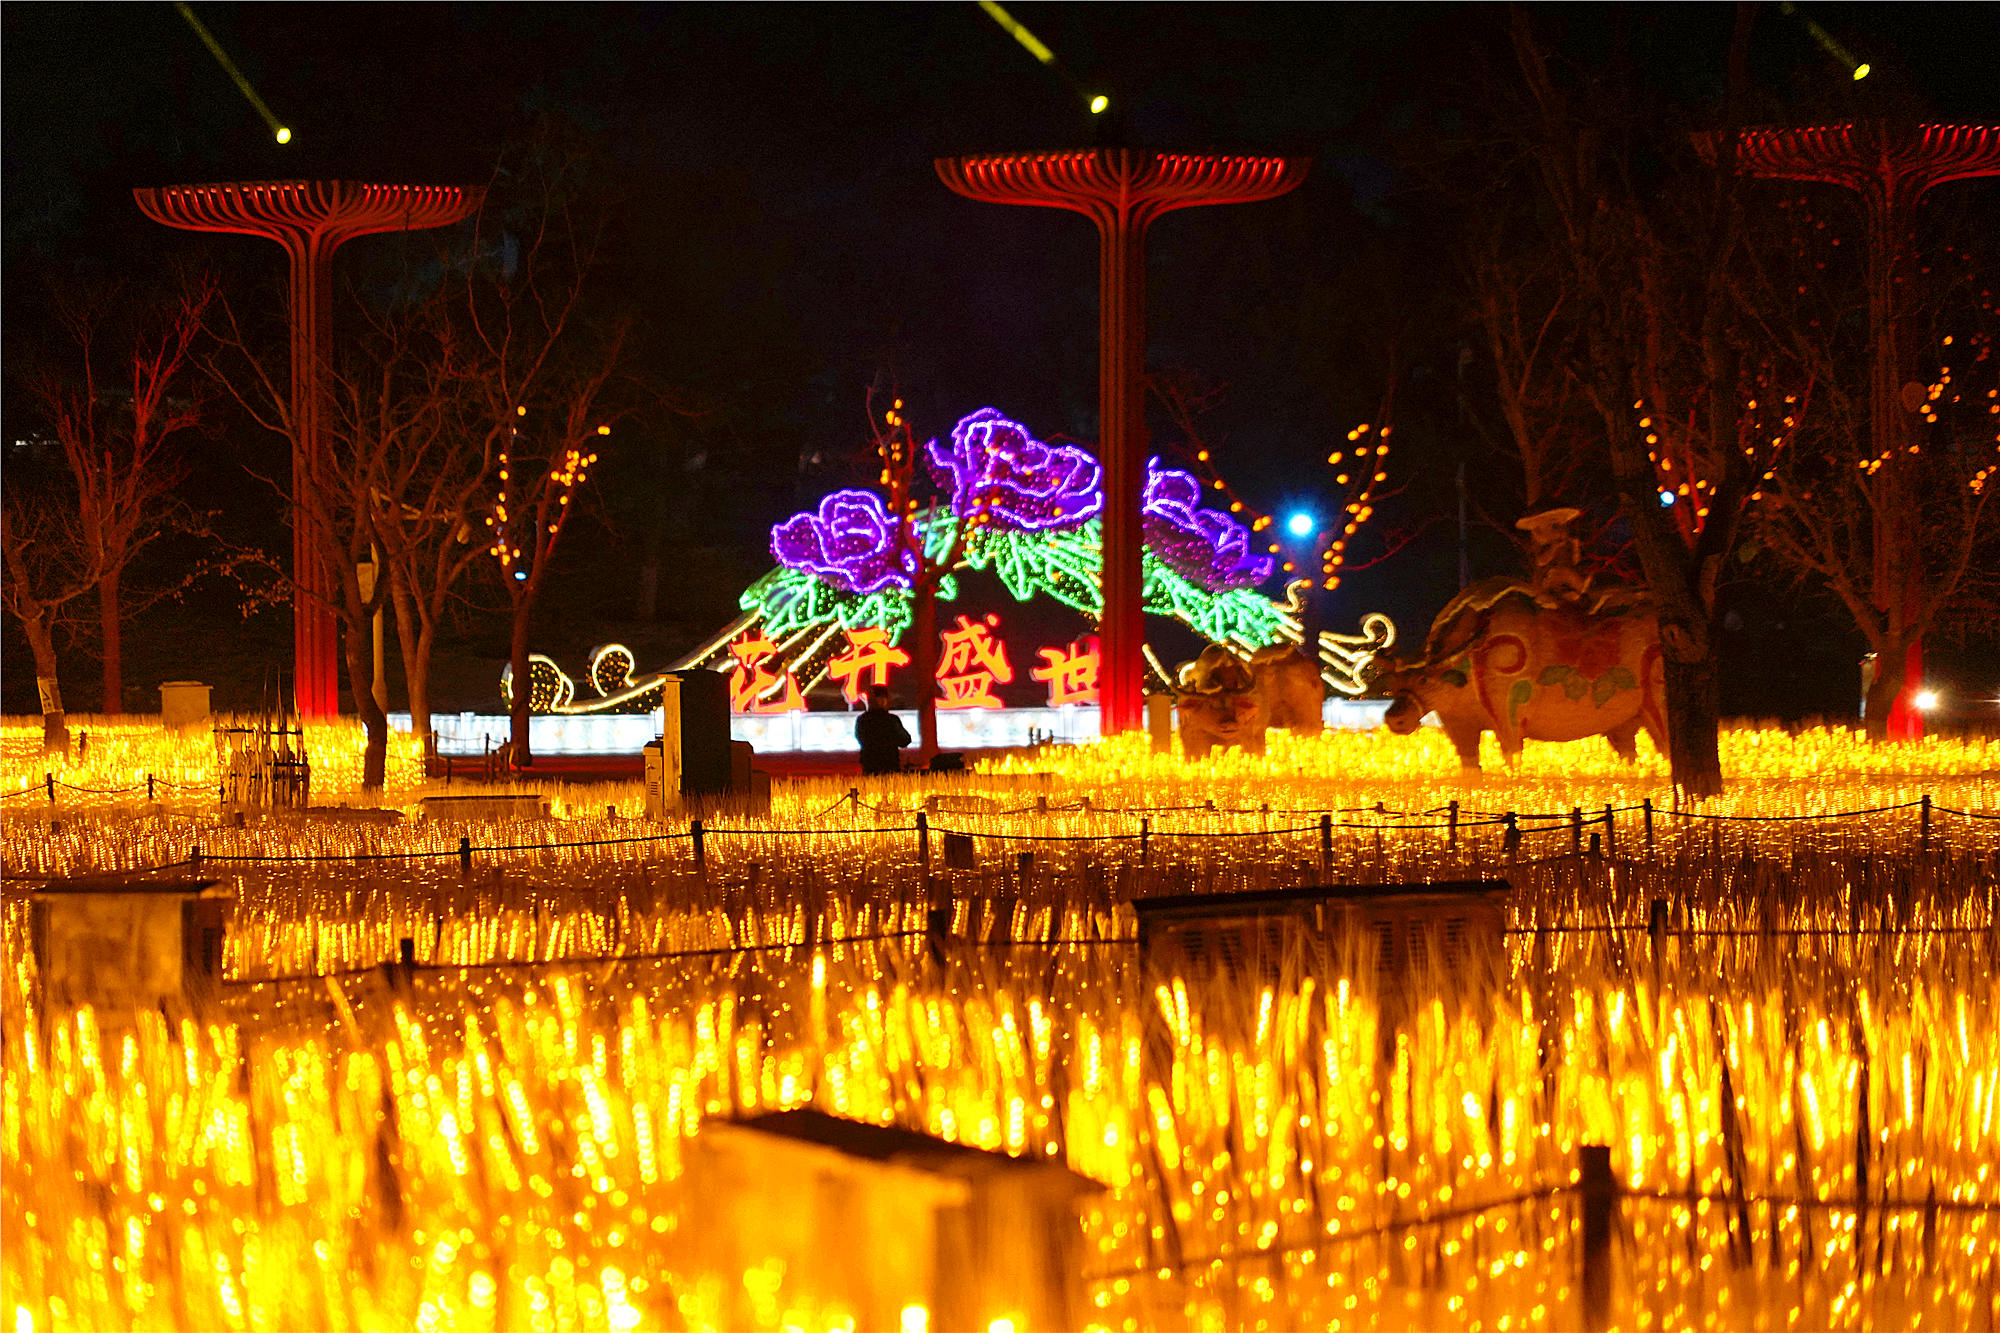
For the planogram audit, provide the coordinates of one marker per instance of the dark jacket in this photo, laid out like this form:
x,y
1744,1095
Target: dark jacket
x,y
882,736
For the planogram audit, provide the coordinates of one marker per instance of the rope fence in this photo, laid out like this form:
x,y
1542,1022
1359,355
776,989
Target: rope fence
x,y
938,936
1600,826
1599,1193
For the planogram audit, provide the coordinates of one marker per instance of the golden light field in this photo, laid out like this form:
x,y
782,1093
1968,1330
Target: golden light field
x,y
499,1140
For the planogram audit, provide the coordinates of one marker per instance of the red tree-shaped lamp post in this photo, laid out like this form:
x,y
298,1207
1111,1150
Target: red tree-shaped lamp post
x,y
1122,190
1891,168
311,219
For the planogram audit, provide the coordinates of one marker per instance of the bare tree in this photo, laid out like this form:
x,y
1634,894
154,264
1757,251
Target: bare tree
x,y
1525,313
114,414
543,458
374,429
1906,539
536,386
1647,302
403,393
43,576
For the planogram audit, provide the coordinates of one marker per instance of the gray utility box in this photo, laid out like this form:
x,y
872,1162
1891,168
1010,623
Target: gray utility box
x,y
122,944
749,789
1160,722
497,805
184,705
1403,937
694,767
875,1220
695,731
662,785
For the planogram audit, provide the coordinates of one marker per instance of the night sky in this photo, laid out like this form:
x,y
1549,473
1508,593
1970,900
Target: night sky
x,y
777,233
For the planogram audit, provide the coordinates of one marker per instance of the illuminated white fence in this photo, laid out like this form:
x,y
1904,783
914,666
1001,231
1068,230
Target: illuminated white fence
x,y
808,732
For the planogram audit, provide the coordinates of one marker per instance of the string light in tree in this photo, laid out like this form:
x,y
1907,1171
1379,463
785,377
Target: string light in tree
x,y
1358,472
1211,479
1688,470
526,521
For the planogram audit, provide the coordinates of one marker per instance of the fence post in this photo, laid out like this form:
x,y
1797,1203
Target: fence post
x,y
50,780
404,968
924,852
149,786
465,856
1862,1137
1145,837
1024,870
1512,839
194,857
1742,1247
1041,805
1599,1190
700,852
1610,844
1656,930
1576,828
1452,823
1926,838
1647,806
937,931
1326,844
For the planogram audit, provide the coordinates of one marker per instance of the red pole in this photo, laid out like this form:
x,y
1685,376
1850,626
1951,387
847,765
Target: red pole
x,y
311,219
315,632
1121,369
1121,190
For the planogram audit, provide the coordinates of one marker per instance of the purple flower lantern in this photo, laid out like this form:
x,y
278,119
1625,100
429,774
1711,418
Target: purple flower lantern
x,y
1208,549
1024,484
851,543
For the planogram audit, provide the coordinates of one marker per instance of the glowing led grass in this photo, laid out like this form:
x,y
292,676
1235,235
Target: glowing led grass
x,y
501,1144
492,1144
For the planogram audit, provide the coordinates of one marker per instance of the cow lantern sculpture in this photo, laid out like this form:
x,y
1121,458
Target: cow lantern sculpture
x,y
1550,660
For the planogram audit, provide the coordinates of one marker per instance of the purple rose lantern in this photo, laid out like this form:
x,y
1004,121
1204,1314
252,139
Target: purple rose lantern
x,y
851,543
1024,484
1208,549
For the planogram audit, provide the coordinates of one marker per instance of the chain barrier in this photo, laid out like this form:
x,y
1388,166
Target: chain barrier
x,y
1574,821
1619,1194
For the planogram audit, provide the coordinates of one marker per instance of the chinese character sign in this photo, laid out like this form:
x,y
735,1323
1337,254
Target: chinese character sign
x,y
1070,673
866,663
753,687
973,663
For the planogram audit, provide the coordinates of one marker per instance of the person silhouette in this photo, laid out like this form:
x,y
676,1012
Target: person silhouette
x,y
880,734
